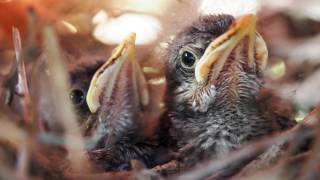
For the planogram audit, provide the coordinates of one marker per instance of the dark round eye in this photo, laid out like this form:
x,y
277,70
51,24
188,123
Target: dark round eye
x,y
188,59
77,97
124,167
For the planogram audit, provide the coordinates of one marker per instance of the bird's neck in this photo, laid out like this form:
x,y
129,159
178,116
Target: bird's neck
x,y
238,83
238,90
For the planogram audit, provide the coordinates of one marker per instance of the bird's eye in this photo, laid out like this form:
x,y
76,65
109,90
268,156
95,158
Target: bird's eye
x,y
77,97
188,59
124,167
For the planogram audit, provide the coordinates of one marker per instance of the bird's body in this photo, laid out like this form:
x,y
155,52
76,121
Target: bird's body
x,y
213,117
116,130
118,97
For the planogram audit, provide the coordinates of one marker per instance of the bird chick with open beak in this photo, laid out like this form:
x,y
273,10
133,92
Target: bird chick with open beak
x,y
117,98
214,81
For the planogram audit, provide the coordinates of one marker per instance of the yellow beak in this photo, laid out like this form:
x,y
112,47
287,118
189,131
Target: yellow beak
x,y
220,49
105,78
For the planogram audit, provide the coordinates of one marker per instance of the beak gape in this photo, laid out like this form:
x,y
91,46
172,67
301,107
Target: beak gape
x,y
220,49
105,78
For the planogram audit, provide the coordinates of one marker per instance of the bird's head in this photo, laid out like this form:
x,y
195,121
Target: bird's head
x,y
116,97
218,59
118,91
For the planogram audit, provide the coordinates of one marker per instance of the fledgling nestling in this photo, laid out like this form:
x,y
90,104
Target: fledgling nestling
x,y
117,98
214,84
110,98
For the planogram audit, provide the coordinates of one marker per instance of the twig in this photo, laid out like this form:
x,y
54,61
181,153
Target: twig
x,y
16,136
22,86
10,132
32,28
104,176
59,79
310,170
23,161
264,161
288,169
215,166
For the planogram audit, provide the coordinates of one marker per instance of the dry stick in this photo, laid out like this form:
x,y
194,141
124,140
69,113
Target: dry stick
x,y
22,77
104,176
296,147
32,27
6,172
272,170
286,169
311,120
137,174
17,137
9,130
30,58
216,165
59,79
266,160
310,170
23,159
11,133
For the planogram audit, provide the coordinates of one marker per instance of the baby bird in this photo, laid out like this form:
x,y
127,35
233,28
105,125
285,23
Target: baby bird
x,y
110,99
118,97
214,88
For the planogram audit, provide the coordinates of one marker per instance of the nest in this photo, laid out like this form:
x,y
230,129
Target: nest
x,y
29,151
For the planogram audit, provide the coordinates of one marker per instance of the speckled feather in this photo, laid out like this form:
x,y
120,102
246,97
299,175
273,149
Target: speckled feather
x,y
118,122
215,118
118,125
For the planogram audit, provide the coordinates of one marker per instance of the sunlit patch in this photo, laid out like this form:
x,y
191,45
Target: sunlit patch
x,y
277,71
172,37
69,26
161,105
157,81
300,115
235,8
164,45
114,30
313,12
145,6
276,4
150,70
100,17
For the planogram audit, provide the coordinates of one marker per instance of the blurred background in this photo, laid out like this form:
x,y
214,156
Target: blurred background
x,y
291,29
89,30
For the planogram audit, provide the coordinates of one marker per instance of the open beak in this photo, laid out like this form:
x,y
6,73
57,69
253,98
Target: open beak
x,y
105,80
220,49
